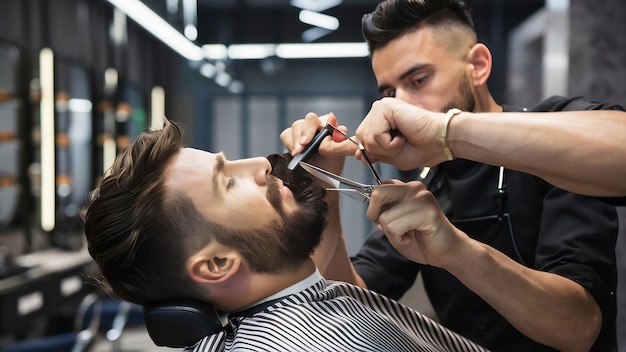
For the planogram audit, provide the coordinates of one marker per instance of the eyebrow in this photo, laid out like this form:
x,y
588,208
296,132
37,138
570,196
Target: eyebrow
x,y
406,74
217,170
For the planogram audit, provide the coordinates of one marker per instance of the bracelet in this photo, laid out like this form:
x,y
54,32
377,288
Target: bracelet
x,y
444,132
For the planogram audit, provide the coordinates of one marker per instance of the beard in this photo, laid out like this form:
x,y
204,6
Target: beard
x,y
463,99
292,239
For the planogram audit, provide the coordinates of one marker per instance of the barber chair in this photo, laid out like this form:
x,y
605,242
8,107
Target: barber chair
x,y
78,340
117,316
180,323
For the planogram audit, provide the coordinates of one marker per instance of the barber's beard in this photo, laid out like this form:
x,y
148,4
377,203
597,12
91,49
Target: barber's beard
x,y
464,97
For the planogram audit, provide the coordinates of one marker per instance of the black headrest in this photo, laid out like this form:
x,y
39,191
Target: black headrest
x,y
180,323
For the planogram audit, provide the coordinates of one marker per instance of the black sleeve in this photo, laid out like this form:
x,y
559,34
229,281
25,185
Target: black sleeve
x,y
383,269
577,241
559,103
617,201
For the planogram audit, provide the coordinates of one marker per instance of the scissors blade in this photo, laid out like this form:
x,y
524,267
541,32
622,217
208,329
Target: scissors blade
x,y
356,191
321,174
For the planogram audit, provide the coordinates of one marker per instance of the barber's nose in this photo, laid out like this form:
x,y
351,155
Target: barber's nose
x,y
259,168
405,96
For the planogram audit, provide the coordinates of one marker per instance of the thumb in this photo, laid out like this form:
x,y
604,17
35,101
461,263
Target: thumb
x,y
337,136
332,119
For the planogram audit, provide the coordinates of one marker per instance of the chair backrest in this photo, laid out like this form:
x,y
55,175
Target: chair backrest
x,y
180,323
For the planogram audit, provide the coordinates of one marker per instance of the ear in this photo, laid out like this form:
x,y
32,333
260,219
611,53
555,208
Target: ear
x,y
212,266
480,58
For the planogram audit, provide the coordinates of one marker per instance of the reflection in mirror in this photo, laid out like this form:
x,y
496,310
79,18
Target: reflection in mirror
x,y
13,237
63,163
74,167
130,115
105,125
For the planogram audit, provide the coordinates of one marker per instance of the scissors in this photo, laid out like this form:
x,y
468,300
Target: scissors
x,y
361,148
355,190
317,140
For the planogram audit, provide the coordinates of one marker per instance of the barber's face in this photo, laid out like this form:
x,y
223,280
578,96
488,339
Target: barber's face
x,y
419,69
238,194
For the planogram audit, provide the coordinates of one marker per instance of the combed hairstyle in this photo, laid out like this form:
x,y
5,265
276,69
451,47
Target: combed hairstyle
x,y
140,234
394,18
136,240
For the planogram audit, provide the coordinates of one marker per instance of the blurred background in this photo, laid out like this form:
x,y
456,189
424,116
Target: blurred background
x,y
79,79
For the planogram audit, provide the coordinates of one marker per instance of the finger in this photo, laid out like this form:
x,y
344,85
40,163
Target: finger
x,y
304,130
381,196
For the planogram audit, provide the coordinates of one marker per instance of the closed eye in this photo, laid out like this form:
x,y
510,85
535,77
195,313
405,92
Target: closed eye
x,y
230,183
419,81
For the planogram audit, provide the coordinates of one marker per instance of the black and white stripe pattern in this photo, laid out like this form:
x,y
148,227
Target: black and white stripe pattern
x,y
334,316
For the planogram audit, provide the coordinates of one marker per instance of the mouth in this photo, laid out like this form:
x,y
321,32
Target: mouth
x,y
285,191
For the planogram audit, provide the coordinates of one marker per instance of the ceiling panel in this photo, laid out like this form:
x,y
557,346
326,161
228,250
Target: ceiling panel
x,y
276,21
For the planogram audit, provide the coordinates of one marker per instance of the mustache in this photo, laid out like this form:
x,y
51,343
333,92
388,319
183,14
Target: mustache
x,y
297,180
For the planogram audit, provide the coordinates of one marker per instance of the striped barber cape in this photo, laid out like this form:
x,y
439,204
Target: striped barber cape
x,y
334,316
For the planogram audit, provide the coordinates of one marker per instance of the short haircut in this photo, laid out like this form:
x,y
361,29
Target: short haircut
x,y
394,18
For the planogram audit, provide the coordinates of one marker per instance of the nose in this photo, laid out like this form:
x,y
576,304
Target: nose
x,y
258,168
405,96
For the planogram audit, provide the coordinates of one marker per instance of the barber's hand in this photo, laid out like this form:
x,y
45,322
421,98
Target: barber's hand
x,y
333,149
401,134
415,225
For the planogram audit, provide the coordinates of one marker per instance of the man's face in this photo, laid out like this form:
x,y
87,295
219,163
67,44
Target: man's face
x,y
272,226
238,194
420,69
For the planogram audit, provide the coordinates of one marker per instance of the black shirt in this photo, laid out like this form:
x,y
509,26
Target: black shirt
x,y
529,220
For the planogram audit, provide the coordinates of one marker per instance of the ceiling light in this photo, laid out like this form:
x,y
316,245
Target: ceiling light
x,y
156,25
223,79
236,87
321,50
191,32
319,20
215,51
251,51
315,5
208,70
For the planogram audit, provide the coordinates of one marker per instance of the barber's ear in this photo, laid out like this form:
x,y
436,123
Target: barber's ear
x,y
213,267
480,58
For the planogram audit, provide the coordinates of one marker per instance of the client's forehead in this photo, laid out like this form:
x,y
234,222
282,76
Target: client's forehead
x,y
190,168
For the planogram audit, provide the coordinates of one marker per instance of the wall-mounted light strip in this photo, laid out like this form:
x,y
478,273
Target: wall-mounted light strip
x,y
47,133
156,25
109,152
157,107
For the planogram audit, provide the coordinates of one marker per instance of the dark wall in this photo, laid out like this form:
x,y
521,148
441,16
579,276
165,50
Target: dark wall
x,y
78,32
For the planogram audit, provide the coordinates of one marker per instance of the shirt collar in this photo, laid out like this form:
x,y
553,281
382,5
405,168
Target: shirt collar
x,y
293,289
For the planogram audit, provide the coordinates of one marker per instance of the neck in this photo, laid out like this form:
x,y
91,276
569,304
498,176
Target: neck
x,y
247,288
485,102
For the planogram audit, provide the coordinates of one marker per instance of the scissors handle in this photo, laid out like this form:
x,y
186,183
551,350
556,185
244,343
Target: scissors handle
x,y
362,149
310,148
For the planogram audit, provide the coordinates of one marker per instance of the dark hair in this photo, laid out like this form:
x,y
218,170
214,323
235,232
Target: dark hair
x,y
131,234
140,234
394,18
